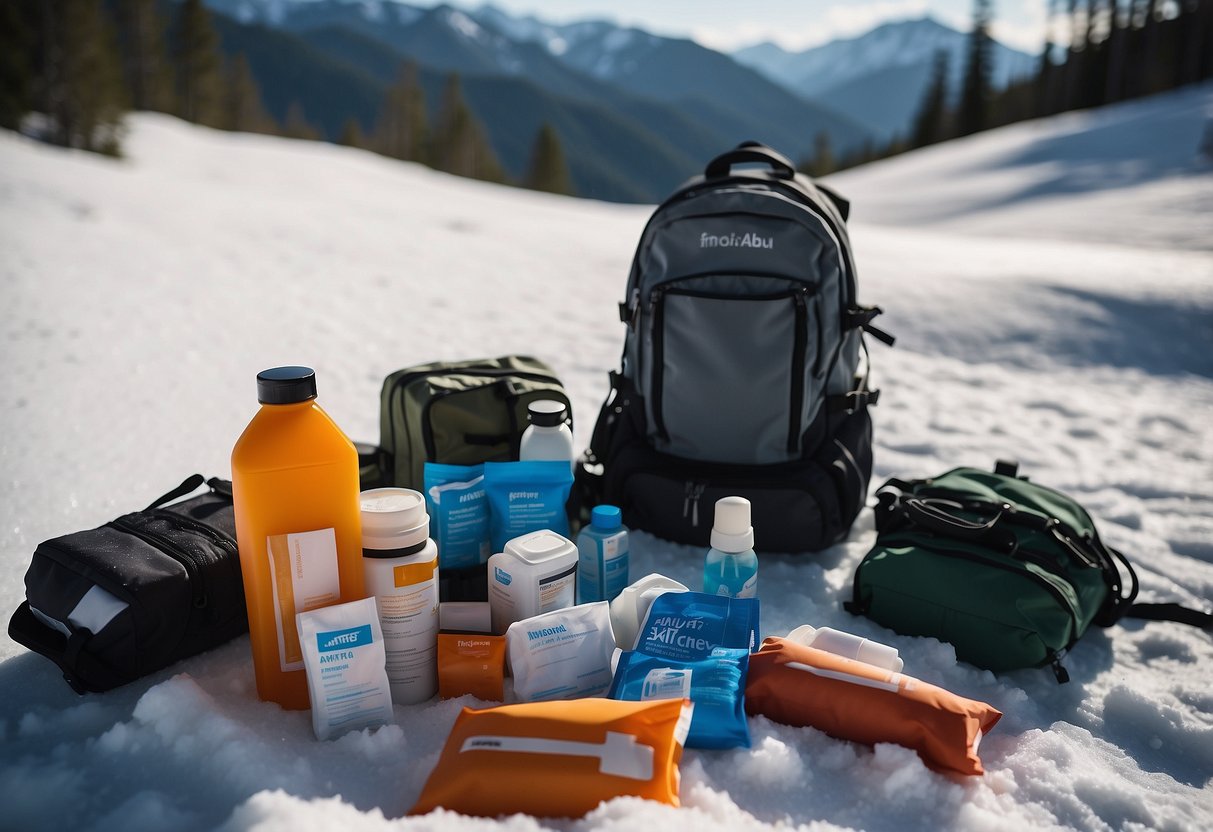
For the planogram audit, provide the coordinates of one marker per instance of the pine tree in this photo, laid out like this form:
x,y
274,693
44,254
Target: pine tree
x,y
83,92
401,130
199,78
460,146
297,126
243,109
17,73
145,63
973,114
351,133
548,170
822,161
929,123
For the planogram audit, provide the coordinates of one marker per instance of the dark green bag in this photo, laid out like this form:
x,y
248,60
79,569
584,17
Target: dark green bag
x,y
458,412
1009,572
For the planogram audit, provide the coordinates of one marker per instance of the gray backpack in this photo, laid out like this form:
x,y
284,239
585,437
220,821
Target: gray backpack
x,y
741,370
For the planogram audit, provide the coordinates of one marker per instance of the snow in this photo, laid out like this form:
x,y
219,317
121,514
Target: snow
x,y
1049,307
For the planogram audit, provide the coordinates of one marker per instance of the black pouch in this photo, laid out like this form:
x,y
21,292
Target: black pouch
x,y
112,604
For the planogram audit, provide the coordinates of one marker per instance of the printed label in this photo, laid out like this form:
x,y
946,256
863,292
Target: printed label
x,y
666,683
347,639
414,573
556,591
502,576
303,575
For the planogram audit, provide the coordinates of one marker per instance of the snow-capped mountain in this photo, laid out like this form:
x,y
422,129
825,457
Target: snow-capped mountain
x,y
902,44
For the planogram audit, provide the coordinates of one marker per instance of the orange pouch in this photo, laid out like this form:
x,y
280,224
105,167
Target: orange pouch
x,y
558,759
851,700
471,663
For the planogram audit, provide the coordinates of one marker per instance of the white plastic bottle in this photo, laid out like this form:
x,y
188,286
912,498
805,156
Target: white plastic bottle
x,y
547,437
536,573
632,605
848,646
400,565
602,564
731,567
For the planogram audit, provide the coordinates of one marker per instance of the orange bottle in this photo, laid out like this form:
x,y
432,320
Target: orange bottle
x,y
298,526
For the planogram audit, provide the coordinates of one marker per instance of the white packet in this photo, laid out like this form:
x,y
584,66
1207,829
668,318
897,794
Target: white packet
x,y
563,654
345,660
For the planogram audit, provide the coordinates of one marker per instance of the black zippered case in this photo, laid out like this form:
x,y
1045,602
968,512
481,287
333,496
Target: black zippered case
x,y
112,604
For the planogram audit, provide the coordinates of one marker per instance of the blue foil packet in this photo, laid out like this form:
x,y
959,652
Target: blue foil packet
x,y
716,684
526,497
459,514
688,626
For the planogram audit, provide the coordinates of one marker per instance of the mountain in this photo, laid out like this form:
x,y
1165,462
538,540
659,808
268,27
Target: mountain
x,y
599,63
881,75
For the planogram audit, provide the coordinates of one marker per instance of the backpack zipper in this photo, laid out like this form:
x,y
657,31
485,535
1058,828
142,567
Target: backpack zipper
x,y
690,504
193,569
800,340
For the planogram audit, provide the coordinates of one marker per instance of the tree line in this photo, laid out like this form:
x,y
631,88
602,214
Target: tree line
x,y
1112,50
83,64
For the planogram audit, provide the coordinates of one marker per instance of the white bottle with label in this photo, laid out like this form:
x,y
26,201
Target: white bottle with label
x,y
848,646
400,564
547,437
536,573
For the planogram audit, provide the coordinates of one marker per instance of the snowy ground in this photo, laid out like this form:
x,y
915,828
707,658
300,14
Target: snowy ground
x,y
1051,286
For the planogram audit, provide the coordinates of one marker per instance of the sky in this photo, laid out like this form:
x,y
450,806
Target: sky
x,y
793,24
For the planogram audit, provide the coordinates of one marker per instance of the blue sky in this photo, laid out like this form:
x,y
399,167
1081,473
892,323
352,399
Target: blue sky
x,y
794,24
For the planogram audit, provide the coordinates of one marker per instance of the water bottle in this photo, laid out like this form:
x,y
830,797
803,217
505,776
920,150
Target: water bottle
x,y
602,563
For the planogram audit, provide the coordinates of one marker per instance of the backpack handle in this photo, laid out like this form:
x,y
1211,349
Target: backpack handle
x,y
750,153
933,515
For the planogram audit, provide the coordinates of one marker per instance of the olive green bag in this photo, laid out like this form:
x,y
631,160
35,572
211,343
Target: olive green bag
x,y
1009,572
456,412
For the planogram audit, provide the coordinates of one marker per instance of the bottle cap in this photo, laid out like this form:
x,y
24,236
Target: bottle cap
x,y
607,518
393,519
546,413
286,385
731,529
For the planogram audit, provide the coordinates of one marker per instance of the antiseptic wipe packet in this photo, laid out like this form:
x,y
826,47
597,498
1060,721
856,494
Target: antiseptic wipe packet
x,y
459,510
564,654
526,497
345,660
852,700
716,685
686,626
558,759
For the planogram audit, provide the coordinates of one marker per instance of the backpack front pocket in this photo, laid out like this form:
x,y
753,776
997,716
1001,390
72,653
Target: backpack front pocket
x,y
730,376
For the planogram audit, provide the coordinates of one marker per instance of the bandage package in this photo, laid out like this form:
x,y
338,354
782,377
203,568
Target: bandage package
x,y
851,700
558,759
686,626
564,654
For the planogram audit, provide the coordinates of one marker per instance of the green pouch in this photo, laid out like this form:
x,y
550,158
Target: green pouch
x,y
1009,572
459,413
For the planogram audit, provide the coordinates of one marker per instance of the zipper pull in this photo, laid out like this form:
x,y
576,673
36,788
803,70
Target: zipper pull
x,y
1059,671
686,499
696,493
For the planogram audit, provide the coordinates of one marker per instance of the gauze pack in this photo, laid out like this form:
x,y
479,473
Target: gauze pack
x,y
558,759
565,654
852,700
457,503
526,497
716,685
686,626
345,660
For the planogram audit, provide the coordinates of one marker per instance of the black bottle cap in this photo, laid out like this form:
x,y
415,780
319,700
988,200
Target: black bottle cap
x,y
546,413
286,385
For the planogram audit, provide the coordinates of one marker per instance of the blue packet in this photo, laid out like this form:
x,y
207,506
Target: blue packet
x,y
716,684
687,626
526,497
459,514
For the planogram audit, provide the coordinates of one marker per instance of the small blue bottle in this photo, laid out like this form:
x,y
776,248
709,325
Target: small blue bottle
x,y
602,556
731,567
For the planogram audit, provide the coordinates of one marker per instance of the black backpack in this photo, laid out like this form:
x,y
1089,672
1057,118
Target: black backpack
x,y
741,370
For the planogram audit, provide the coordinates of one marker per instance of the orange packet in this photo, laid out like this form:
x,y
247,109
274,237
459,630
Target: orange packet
x,y
851,700
558,759
471,663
